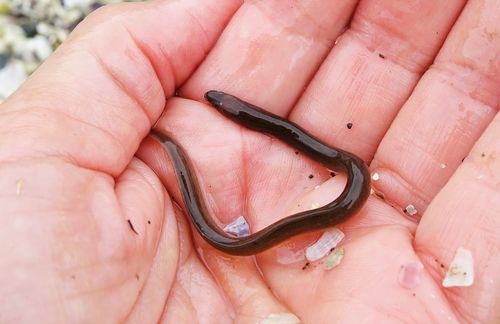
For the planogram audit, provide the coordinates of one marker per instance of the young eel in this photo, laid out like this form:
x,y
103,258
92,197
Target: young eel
x,y
350,200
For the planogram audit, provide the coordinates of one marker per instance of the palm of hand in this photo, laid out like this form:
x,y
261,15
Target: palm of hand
x,y
81,254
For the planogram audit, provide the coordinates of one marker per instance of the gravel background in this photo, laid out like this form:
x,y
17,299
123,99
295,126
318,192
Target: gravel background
x,y
30,30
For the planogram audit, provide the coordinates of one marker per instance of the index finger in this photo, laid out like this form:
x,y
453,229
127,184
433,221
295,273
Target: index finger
x,y
96,98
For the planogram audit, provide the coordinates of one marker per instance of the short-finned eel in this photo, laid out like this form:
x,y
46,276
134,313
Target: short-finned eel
x,y
350,200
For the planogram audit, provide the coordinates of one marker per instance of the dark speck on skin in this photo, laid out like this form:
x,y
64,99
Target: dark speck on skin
x,y
382,56
349,125
332,174
132,226
149,222
296,152
483,155
311,176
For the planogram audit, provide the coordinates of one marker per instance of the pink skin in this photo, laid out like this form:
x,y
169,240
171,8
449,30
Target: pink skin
x,y
73,169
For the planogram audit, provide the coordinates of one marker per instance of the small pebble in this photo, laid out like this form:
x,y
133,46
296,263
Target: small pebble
x,y
11,77
4,58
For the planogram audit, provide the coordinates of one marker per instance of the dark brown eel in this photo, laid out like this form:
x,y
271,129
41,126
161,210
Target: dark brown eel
x,y
350,200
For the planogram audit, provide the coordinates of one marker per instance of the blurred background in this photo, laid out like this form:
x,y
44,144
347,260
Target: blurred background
x,y
30,30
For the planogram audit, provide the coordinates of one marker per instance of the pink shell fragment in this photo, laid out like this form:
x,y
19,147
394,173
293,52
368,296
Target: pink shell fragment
x,y
410,274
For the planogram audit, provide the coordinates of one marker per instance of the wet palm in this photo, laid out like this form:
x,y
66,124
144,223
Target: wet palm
x,y
89,232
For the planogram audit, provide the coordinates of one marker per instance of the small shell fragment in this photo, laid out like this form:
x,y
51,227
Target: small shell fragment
x,y
461,270
410,274
411,210
334,258
239,227
328,241
280,318
375,176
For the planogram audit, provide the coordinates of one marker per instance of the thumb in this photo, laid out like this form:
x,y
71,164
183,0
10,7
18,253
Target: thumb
x,y
94,100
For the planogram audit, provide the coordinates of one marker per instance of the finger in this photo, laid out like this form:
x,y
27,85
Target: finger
x,y
75,253
372,70
270,50
465,214
447,112
95,99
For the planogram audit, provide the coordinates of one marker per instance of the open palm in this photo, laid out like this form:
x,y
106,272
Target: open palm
x,y
89,233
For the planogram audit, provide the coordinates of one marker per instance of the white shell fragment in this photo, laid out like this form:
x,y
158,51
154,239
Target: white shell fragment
x,y
280,318
334,258
461,270
411,210
410,274
324,245
375,176
239,227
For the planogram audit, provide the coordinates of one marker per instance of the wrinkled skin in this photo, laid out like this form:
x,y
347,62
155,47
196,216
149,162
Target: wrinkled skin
x,y
418,79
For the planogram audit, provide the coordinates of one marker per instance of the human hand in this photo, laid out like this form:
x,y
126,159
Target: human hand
x,y
70,181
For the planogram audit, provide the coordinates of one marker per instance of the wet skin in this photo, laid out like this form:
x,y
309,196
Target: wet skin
x,y
347,204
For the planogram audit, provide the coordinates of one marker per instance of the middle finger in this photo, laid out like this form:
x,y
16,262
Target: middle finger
x,y
270,50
